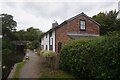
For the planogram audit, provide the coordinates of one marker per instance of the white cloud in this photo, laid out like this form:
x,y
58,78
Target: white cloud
x,y
41,14
59,0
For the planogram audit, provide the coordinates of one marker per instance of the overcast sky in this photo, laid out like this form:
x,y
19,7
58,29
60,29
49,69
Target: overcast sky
x,y
41,14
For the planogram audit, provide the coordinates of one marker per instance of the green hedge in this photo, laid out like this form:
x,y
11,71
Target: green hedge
x,y
91,59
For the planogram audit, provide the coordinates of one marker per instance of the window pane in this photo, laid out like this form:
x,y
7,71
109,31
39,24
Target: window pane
x,y
82,25
51,41
82,22
51,47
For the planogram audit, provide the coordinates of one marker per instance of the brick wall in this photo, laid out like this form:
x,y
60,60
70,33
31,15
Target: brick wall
x,y
74,26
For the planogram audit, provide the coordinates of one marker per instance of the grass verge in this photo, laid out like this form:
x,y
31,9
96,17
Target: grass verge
x,y
49,73
18,68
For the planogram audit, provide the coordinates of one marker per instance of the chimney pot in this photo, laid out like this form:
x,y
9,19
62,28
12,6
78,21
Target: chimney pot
x,y
55,24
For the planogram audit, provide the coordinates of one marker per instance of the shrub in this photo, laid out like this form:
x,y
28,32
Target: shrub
x,y
41,52
50,57
98,58
49,54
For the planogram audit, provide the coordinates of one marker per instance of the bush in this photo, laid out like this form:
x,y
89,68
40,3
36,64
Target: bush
x,y
41,52
98,58
30,46
50,57
49,54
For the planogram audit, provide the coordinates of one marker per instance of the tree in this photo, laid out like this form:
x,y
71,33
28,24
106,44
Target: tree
x,y
8,48
34,35
9,54
20,35
8,25
31,34
107,21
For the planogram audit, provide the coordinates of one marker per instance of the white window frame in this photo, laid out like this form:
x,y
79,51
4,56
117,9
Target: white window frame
x,y
82,25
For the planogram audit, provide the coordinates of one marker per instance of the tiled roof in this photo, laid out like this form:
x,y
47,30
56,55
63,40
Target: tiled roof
x,y
82,14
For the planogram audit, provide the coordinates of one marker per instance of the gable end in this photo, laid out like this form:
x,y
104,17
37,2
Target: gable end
x,y
82,14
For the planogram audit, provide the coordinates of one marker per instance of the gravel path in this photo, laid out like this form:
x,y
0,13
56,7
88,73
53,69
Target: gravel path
x,y
31,69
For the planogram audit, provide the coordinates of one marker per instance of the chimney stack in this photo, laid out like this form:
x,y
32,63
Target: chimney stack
x,y
55,24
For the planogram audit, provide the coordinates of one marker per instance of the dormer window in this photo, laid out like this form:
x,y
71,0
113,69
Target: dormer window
x,y
82,25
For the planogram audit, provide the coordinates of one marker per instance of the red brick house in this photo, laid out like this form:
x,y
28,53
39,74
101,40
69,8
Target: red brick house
x,y
78,26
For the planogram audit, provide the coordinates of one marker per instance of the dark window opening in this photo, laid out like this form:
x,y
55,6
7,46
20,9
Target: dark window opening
x,y
51,47
50,34
82,25
51,44
59,46
46,47
42,46
46,35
